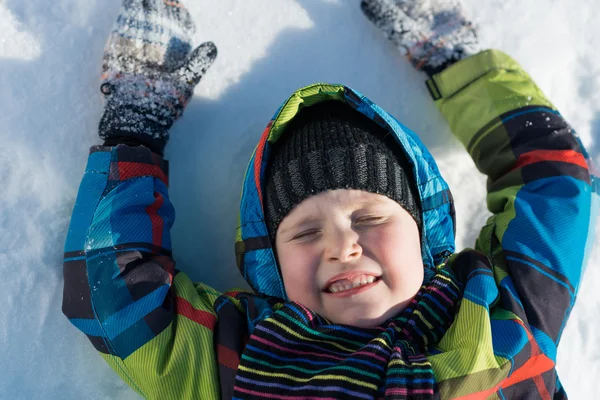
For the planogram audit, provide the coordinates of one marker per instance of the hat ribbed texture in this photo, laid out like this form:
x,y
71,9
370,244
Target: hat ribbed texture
x,y
332,146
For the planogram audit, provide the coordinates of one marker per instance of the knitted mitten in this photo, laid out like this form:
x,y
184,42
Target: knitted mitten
x,y
149,71
431,33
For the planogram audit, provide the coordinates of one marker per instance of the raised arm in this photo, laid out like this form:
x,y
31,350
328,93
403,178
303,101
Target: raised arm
x,y
149,322
540,189
539,185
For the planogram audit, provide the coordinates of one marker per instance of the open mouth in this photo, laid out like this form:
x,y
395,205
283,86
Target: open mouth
x,y
347,285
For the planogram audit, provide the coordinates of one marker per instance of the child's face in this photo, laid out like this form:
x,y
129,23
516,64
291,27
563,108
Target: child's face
x,y
350,237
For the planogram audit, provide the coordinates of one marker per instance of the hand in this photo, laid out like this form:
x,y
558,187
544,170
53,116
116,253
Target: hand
x,y
149,70
431,33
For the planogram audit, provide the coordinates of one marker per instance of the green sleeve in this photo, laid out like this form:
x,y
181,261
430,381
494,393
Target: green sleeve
x,y
152,325
539,186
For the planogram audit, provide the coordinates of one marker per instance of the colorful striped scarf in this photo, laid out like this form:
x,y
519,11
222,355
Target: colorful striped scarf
x,y
296,354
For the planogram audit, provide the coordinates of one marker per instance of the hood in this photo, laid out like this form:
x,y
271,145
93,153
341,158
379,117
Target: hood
x,y
255,257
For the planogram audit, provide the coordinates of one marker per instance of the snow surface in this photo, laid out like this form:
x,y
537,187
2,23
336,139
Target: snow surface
x,y
50,104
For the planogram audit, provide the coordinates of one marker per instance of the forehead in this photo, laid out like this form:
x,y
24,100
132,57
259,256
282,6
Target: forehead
x,y
349,197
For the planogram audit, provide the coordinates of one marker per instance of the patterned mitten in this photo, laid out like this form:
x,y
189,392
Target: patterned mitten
x,y
431,33
149,71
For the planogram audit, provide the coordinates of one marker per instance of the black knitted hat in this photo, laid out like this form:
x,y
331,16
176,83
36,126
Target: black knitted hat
x,y
332,146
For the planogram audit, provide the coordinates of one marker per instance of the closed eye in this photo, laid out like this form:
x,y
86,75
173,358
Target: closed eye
x,y
369,220
306,234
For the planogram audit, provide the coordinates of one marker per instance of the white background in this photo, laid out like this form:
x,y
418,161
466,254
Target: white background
x,y
50,104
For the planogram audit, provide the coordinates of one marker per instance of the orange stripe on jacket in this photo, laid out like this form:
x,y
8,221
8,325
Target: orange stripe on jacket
x,y
156,220
186,309
228,357
258,157
129,170
566,156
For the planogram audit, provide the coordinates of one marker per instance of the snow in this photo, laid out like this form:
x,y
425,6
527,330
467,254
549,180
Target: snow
x,y
50,56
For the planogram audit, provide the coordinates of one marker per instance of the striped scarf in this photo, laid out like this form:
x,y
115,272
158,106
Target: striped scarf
x,y
296,354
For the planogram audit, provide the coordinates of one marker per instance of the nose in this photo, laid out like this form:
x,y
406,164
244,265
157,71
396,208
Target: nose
x,y
342,245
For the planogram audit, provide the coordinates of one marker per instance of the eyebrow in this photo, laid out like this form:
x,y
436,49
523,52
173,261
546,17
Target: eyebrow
x,y
312,219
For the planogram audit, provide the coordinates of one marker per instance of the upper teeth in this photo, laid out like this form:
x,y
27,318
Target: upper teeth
x,y
345,284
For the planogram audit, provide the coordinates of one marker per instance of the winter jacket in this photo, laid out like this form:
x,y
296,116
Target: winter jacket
x,y
171,338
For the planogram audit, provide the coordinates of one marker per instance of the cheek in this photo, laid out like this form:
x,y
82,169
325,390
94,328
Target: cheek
x,y
400,254
299,275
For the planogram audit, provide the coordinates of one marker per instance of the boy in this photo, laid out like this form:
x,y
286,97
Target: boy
x,y
346,231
